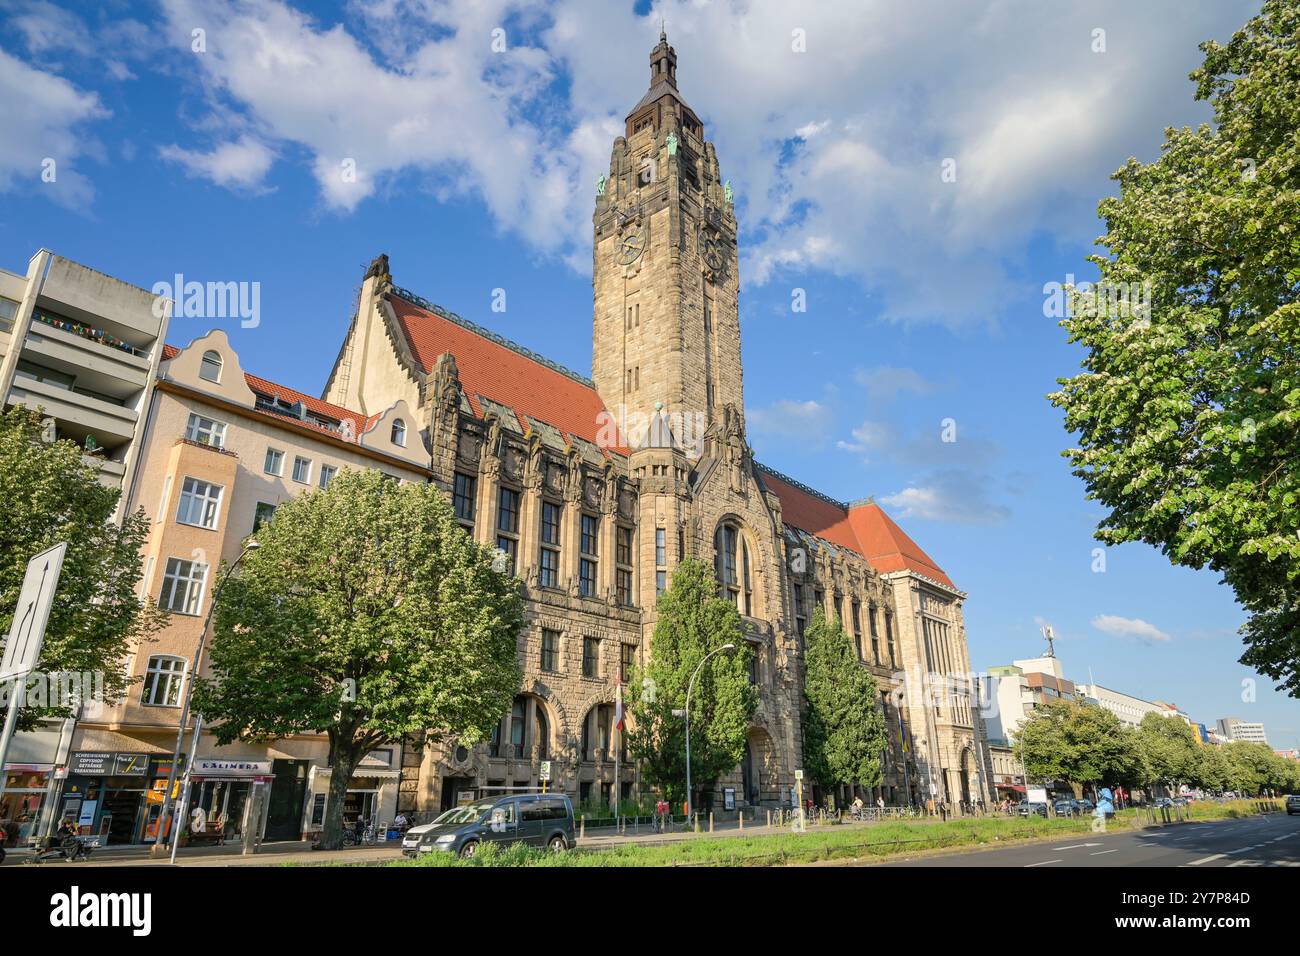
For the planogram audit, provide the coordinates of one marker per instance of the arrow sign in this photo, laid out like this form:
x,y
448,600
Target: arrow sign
x,y
32,613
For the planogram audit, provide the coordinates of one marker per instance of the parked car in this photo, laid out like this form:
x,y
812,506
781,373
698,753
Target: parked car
x,y
1161,802
1086,806
1067,808
1293,804
1024,806
534,819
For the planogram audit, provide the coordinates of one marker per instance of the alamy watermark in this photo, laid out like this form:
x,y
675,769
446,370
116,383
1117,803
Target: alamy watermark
x,y
209,300
1122,300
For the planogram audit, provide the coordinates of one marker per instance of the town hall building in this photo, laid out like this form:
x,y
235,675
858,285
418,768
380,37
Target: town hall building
x,y
595,488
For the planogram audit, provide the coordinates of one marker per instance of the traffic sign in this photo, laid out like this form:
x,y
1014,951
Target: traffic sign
x,y
544,771
798,774
27,632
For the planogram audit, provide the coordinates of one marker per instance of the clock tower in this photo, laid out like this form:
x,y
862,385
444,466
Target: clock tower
x,y
666,332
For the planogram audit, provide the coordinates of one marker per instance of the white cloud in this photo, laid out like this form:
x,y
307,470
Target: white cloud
x,y
835,154
951,495
866,437
805,422
1129,627
42,116
885,383
242,163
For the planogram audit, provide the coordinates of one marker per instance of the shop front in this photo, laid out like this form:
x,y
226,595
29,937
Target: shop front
x,y
371,793
220,795
25,786
115,796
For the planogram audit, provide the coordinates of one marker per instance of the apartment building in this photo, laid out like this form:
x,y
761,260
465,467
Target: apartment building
x,y
222,449
83,347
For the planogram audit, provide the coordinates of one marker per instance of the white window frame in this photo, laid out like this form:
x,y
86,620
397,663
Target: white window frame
x,y
209,503
279,463
193,581
195,429
297,460
171,675
325,474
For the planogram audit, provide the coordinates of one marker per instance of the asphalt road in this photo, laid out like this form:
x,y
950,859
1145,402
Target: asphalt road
x,y
1272,840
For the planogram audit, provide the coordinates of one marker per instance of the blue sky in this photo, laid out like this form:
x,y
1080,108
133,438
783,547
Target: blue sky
x,y
476,162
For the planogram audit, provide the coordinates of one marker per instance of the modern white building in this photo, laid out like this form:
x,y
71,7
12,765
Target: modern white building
x,y
1018,688
1129,709
1235,729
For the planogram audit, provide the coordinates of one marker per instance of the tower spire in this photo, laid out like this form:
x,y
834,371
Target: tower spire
x,y
663,61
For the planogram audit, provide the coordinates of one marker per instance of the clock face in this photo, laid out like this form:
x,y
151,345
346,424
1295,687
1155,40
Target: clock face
x,y
711,251
630,246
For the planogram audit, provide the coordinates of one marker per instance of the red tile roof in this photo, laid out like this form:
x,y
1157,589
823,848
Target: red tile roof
x,y
290,395
864,529
502,371
888,547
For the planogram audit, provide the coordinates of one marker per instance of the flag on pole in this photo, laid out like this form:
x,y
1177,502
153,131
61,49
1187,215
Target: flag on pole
x,y
618,706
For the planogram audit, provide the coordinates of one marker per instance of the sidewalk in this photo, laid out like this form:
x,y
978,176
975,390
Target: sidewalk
x,y
300,852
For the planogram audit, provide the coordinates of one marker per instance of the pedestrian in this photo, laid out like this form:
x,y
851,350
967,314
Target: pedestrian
x,y
880,802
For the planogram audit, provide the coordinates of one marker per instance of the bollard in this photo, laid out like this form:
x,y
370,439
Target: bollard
x,y
710,821
742,819
769,819
582,828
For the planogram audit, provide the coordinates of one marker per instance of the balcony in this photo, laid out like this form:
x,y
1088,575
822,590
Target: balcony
x,y
76,415
99,361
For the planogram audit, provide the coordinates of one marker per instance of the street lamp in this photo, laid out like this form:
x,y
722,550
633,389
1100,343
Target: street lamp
x,y
687,713
185,706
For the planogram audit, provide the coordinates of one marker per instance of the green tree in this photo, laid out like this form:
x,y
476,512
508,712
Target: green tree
x,y
844,730
365,614
1213,769
692,621
1169,750
1081,744
51,495
1187,412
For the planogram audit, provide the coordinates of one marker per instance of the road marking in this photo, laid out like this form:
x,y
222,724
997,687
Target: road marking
x,y
1044,863
1075,846
1243,849
1207,859
1102,852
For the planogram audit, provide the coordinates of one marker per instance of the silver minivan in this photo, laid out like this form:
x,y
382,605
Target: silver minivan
x,y
534,819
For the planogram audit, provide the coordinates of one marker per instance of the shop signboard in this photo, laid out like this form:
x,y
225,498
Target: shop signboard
x,y
91,763
226,767
130,765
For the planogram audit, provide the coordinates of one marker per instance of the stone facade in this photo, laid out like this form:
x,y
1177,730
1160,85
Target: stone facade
x,y
596,489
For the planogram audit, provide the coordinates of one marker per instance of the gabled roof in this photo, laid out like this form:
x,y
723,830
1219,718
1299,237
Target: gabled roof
x,y
862,528
497,369
316,406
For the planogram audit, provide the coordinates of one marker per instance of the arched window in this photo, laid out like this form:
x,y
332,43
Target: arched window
x,y
732,565
519,725
597,730
542,734
210,366
399,432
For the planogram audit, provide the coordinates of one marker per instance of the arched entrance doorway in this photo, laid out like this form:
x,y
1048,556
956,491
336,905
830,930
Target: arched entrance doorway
x,y
758,768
